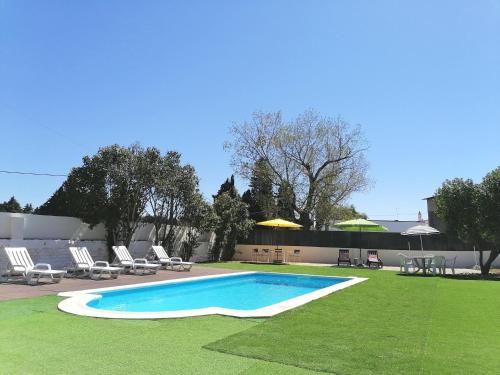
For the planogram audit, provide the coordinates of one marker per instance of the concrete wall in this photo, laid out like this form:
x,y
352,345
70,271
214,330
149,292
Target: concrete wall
x,y
329,255
48,238
56,252
26,226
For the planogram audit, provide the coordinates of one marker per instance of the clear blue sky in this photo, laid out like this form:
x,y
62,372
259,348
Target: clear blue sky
x,y
422,77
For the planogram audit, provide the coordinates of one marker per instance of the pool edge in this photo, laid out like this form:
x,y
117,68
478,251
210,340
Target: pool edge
x,y
77,302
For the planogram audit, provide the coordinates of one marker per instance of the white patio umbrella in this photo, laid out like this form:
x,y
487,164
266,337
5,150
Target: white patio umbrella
x,y
420,230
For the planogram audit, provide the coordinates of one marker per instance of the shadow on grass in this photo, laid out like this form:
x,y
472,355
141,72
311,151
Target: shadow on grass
x,y
464,276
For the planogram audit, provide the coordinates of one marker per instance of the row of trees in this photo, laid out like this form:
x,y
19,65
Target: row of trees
x,y
126,187
12,205
472,213
302,169
265,202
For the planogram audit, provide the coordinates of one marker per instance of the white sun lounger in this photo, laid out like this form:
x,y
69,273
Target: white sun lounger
x,y
171,262
138,265
21,265
82,261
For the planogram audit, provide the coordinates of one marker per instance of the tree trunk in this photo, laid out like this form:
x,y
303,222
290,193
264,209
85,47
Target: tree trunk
x,y
305,220
485,267
110,241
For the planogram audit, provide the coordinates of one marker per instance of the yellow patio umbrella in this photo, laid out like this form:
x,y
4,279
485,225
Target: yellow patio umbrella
x,y
279,223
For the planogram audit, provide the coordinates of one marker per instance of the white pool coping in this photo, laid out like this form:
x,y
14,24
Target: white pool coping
x,y
77,302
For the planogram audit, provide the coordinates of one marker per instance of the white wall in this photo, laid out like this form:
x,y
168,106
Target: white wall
x,y
56,252
47,238
48,227
329,255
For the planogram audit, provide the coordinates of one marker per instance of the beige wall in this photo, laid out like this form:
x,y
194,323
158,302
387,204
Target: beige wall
x,y
329,255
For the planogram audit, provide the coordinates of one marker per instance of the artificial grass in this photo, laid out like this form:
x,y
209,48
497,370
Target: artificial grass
x,y
390,324
36,338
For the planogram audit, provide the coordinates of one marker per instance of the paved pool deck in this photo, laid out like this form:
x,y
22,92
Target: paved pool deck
x,y
16,290
458,271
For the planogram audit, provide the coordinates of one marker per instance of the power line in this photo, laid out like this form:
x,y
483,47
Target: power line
x,y
36,122
34,173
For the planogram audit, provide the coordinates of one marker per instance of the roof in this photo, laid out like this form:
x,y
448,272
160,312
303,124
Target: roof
x,y
396,225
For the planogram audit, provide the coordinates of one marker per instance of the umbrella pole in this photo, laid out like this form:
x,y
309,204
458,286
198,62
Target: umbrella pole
x,y
421,245
360,259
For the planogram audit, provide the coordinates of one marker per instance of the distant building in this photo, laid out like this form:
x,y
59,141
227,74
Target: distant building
x,y
398,226
434,220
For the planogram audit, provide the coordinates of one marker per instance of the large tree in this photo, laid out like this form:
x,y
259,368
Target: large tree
x,y
12,205
326,214
471,212
312,155
232,221
110,187
198,218
490,213
285,202
173,188
260,197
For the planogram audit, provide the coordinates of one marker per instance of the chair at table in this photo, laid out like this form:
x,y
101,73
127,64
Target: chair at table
x,y
279,256
450,263
255,255
407,264
373,259
266,253
344,257
294,256
437,265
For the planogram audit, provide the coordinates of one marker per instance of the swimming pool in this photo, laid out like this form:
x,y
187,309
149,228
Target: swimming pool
x,y
246,294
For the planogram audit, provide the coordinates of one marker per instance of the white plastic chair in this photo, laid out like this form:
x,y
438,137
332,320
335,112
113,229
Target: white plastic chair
x,y
437,265
406,263
295,255
255,255
82,261
171,262
20,264
138,265
450,263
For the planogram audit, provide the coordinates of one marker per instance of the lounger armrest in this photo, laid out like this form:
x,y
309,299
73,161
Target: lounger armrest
x,y
82,264
101,263
42,267
140,261
21,266
176,259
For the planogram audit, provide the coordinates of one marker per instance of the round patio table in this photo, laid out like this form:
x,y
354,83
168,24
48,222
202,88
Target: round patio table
x,y
422,262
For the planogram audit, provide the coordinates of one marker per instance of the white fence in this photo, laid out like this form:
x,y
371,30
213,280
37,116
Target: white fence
x,y
48,237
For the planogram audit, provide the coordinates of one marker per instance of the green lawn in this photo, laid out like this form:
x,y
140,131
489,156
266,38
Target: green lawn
x,y
389,324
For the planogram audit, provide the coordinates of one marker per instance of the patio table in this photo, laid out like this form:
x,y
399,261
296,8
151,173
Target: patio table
x,y
422,262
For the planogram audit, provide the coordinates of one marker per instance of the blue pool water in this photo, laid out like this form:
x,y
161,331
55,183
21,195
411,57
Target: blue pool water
x,y
241,292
